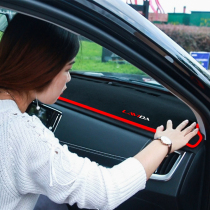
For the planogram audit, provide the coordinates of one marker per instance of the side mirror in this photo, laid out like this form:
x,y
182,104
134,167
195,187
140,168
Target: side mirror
x,y
3,22
5,17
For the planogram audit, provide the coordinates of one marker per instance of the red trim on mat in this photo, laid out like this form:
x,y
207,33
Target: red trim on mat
x,y
199,140
124,120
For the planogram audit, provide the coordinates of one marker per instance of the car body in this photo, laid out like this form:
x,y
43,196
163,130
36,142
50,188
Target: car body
x,y
111,116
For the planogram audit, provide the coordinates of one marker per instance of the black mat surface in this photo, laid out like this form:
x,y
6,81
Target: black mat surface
x,y
155,107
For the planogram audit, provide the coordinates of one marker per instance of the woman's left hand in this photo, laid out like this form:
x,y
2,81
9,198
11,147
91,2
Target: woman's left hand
x,y
179,136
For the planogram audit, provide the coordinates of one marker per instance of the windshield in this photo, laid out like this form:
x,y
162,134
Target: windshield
x,y
97,61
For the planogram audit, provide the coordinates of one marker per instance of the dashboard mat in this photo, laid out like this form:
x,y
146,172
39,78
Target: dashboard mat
x,y
142,105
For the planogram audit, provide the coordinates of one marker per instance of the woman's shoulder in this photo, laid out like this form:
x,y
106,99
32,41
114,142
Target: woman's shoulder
x,y
21,119
21,127
31,127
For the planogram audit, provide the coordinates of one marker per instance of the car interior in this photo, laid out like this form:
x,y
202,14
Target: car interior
x,y
108,119
109,114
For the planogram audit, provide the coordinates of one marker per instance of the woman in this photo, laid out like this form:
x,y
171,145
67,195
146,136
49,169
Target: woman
x,y
35,58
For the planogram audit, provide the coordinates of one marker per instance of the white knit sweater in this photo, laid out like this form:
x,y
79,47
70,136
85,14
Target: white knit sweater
x,y
33,162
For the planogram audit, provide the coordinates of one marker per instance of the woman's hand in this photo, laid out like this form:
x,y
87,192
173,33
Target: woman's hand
x,y
153,154
179,136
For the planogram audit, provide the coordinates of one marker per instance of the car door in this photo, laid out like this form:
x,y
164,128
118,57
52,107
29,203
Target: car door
x,y
108,119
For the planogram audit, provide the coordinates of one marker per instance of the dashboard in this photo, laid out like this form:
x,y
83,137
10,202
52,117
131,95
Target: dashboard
x,y
95,125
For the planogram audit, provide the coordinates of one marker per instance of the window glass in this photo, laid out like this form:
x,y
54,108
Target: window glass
x,y
93,57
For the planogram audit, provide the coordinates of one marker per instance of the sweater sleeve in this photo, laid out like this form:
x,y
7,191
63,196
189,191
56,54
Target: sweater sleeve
x,y
43,166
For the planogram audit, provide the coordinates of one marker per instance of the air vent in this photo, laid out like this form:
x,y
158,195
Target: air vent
x,y
169,165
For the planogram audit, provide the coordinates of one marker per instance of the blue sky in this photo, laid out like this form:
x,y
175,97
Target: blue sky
x,y
191,5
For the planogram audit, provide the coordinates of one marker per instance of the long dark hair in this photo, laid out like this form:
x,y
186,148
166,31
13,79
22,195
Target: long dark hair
x,y
32,53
